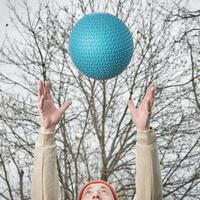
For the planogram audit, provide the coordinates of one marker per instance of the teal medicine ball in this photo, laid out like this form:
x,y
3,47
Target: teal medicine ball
x,y
100,45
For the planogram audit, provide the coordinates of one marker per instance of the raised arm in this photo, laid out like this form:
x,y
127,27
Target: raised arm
x,y
45,184
148,175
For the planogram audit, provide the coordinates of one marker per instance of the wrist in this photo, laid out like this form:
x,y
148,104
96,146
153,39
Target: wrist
x,y
49,130
143,128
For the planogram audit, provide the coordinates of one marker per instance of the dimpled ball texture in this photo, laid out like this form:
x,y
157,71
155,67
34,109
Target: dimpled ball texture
x,y
100,46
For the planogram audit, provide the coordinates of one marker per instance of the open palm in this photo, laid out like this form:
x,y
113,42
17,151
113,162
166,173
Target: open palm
x,y
141,115
49,114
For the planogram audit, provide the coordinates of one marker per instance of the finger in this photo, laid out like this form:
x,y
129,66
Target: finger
x,y
152,96
40,89
41,104
65,106
148,106
150,92
47,90
150,88
131,106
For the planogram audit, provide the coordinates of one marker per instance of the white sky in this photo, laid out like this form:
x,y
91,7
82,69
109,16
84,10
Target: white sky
x,y
4,19
4,13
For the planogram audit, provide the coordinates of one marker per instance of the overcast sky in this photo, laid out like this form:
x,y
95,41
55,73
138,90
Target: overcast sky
x,y
4,13
4,19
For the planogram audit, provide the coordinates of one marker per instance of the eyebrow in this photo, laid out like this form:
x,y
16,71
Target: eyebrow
x,y
101,187
88,188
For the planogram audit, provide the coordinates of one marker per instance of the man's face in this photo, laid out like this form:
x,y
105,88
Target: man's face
x,y
97,191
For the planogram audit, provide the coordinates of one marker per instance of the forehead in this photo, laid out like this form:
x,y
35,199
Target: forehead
x,y
97,185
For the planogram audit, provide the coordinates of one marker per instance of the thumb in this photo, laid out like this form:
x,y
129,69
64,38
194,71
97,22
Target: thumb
x,y
65,106
131,106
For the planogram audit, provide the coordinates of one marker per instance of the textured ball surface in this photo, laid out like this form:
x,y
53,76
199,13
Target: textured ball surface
x,y
100,45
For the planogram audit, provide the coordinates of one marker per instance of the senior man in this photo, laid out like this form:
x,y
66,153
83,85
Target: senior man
x,y
45,183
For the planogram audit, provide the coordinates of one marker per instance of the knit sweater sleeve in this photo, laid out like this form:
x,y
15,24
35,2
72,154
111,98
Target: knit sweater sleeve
x,y
45,184
148,174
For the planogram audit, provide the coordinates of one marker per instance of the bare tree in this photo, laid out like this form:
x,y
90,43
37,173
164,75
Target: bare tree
x,y
96,139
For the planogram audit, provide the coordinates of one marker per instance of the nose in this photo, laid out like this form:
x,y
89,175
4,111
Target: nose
x,y
96,195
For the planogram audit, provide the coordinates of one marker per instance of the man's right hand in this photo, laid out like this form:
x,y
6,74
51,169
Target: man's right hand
x,y
49,114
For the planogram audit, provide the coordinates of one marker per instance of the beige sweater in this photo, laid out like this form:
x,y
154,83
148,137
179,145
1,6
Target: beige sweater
x,y
45,183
